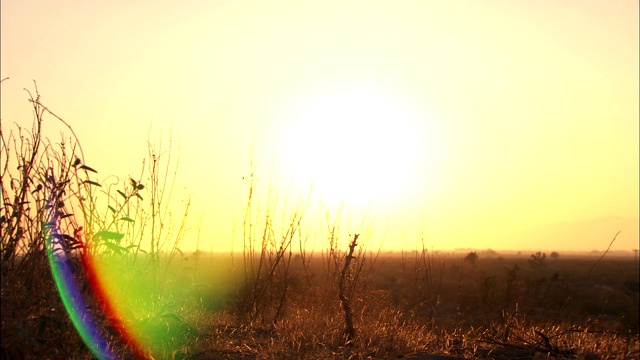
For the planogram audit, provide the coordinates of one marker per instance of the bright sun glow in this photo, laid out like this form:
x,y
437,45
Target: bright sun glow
x,y
356,143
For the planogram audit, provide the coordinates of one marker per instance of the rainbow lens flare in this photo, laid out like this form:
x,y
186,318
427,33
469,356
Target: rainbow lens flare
x,y
84,323
75,306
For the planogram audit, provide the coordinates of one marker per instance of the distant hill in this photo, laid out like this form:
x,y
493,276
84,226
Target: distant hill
x,y
585,235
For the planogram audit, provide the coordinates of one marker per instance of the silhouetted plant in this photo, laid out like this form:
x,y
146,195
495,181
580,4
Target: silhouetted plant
x,y
52,205
350,331
537,260
471,258
41,185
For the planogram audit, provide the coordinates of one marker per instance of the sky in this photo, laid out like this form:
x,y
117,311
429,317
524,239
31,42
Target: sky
x,y
464,124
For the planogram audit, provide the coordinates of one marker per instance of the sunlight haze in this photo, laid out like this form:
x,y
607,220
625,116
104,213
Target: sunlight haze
x,y
494,124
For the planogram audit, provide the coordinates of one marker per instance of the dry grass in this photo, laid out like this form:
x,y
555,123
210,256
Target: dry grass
x,y
274,299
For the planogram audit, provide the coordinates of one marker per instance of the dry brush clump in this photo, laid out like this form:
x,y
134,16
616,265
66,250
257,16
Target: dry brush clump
x,y
40,180
263,281
53,212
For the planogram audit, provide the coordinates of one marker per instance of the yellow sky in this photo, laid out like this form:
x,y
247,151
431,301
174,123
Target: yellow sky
x,y
477,123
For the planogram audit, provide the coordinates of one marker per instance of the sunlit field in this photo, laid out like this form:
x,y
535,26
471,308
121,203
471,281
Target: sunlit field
x,y
287,179
95,270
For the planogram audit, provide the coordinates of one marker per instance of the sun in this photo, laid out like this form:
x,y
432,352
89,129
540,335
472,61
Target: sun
x,y
356,143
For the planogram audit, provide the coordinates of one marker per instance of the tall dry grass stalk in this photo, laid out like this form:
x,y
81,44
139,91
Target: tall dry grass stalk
x,y
263,288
